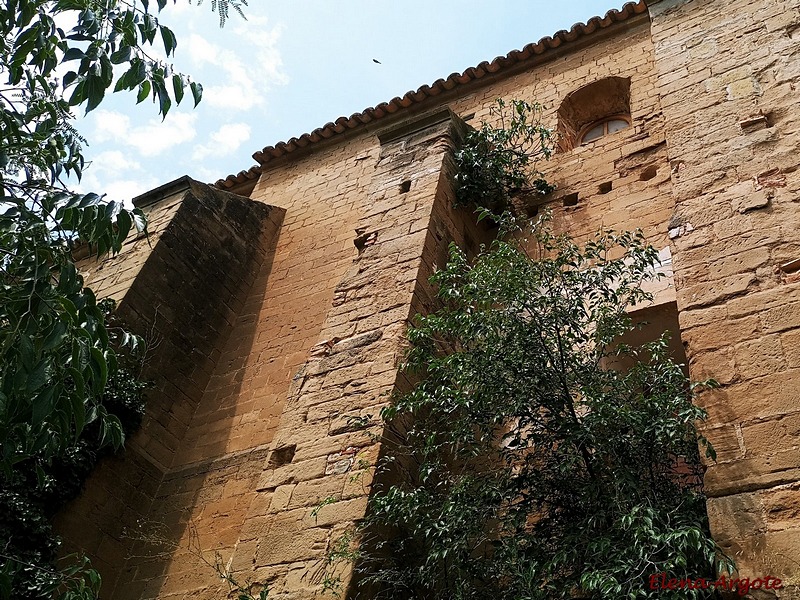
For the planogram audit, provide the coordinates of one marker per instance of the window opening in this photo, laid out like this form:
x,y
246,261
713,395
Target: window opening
x,y
603,128
593,111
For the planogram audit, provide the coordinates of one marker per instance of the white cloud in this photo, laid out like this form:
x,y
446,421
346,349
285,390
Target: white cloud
x,y
116,177
109,125
246,80
125,189
111,162
150,139
267,59
225,140
238,96
207,175
200,50
156,137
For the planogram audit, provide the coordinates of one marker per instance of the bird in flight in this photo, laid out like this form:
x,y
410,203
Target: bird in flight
x,y
375,60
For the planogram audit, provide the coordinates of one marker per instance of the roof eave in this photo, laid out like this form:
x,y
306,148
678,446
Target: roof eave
x,y
545,49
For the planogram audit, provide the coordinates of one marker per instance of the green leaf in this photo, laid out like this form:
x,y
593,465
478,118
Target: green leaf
x,y
38,376
73,53
124,223
56,336
79,93
197,92
95,89
178,85
78,381
168,37
111,432
139,220
43,404
99,369
122,55
144,91
164,102
78,411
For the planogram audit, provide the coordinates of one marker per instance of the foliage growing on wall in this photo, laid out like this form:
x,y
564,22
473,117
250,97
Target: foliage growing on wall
x,y
498,161
523,465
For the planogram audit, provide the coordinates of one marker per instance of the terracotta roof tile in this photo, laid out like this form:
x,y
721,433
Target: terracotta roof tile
x,y
343,124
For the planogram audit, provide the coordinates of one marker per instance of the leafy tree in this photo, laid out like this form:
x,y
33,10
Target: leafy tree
x,y
524,465
57,353
37,489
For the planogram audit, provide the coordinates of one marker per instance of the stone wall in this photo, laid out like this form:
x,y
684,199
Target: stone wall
x,y
727,78
326,444
621,181
207,495
181,288
312,342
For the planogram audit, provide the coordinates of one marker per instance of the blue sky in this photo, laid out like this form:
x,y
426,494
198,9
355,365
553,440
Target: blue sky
x,y
291,67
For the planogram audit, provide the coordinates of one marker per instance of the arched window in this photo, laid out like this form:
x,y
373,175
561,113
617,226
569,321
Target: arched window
x,y
598,109
597,129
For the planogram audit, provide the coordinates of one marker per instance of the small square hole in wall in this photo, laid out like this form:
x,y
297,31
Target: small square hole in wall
x,y
405,186
570,199
282,456
604,188
648,173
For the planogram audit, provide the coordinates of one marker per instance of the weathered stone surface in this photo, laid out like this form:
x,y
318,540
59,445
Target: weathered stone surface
x,y
282,326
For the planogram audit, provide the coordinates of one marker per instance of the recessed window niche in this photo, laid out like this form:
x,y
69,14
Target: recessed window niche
x,y
596,110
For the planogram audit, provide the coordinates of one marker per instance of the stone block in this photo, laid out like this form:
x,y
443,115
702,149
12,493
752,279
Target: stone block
x,y
346,511
767,396
735,518
782,507
751,474
779,555
311,493
753,201
720,335
759,357
790,341
725,441
718,365
704,294
743,88
292,543
773,436
281,497
781,318
757,302
703,316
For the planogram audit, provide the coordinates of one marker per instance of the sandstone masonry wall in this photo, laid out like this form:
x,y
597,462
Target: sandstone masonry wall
x,y
204,499
727,77
639,197
331,420
203,249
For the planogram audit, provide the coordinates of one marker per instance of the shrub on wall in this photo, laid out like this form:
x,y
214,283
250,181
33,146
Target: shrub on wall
x,y
498,160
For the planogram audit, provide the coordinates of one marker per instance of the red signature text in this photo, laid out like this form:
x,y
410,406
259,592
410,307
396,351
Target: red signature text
x,y
660,581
